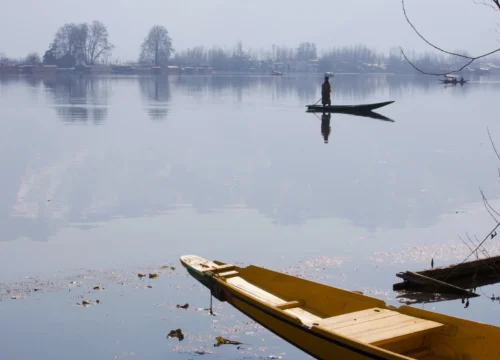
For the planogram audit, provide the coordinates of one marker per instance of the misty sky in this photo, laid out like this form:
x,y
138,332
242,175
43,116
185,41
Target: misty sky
x,y
30,25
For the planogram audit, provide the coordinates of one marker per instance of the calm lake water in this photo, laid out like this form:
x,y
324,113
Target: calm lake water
x,y
106,177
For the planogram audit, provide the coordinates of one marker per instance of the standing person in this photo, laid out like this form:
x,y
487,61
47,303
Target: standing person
x,y
326,89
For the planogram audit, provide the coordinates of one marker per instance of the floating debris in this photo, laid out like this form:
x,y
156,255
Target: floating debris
x,y
97,288
152,276
274,357
17,297
176,333
202,352
223,341
86,303
185,306
141,275
167,267
149,287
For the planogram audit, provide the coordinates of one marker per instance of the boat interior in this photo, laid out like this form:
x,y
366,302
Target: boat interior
x,y
407,331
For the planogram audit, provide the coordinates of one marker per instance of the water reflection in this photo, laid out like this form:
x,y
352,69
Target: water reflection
x,y
325,126
156,91
133,169
78,98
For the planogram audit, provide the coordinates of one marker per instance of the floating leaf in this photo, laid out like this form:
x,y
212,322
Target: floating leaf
x,y
152,276
176,333
223,341
141,275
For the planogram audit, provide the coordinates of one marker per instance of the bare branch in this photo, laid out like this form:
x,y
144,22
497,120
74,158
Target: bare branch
x,y
492,143
470,249
468,237
494,6
437,74
488,206
470,58
427,41
477,247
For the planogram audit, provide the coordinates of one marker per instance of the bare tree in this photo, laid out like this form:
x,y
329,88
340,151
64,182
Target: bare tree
x,y
94,41
157,46
306,51
33,59
90,41
495,4
67,40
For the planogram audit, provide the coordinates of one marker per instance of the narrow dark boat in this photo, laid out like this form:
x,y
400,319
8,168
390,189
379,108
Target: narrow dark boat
x,y
347,108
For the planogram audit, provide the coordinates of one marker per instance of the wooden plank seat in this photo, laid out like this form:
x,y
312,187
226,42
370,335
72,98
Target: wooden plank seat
x,y
228,274
378,326
289,305
219,268
293,307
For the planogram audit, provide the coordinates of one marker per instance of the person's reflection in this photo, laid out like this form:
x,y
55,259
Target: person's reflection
x,y
325,126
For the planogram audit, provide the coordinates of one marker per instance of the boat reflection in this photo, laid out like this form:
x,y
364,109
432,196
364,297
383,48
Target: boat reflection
x,y
413,297
326,117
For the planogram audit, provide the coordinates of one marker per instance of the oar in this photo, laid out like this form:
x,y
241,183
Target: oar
x,y
318,101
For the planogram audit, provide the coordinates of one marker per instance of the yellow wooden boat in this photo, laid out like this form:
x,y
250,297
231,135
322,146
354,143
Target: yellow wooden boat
x,y
331,323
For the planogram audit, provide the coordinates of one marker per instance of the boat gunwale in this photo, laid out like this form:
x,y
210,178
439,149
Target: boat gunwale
x,y
354,108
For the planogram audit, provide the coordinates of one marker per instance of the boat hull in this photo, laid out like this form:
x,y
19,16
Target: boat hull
x,y
301,336
348,108
332,323
307,339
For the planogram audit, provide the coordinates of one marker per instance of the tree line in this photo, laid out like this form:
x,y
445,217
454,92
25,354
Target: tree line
x,y
89,44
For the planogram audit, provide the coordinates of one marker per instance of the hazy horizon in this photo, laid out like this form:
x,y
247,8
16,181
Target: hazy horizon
x,y
259,24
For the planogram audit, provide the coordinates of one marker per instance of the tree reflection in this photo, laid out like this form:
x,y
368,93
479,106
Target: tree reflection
x,y
156,91
79,98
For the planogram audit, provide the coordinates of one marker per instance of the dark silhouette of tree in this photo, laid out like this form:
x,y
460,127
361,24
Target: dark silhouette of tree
x,y
94,41
157,46
90,42
32,59
50,58
67,40
306,51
